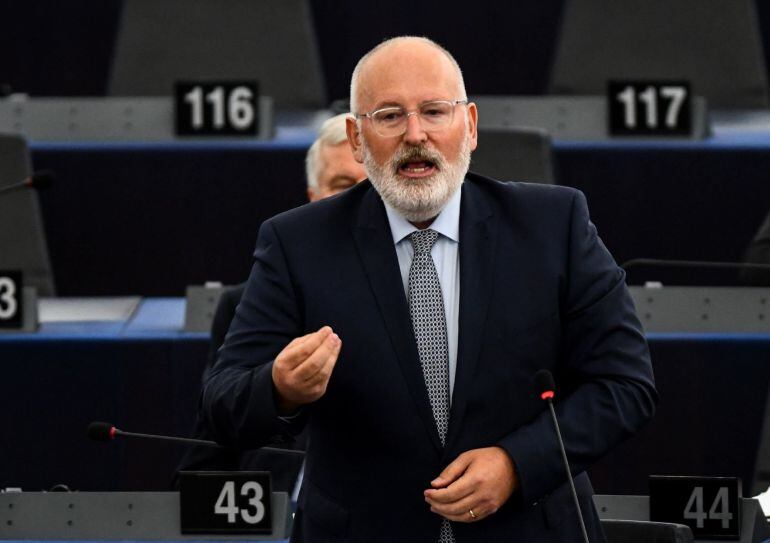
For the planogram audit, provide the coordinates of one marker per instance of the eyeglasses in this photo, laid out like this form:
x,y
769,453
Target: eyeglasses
x,y
389,122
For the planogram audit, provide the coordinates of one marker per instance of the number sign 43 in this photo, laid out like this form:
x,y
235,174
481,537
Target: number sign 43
x,y
225,502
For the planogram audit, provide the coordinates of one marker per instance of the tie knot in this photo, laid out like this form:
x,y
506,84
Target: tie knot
x,y
423,240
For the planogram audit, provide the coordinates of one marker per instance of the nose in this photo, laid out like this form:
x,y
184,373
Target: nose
x,y
414,134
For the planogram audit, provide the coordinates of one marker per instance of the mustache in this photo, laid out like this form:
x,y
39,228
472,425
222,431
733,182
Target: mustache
x,y
417,153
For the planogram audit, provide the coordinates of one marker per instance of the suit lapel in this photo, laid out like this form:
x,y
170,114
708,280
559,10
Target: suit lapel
x,y
374,243
478,241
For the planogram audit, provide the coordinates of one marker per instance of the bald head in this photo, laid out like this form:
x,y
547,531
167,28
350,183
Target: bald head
x,y
418,168
384,65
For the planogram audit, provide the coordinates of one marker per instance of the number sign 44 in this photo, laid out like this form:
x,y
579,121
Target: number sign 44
x,y
710,506
719,510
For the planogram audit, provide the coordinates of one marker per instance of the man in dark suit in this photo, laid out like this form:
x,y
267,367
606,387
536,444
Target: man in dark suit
x,y
402,321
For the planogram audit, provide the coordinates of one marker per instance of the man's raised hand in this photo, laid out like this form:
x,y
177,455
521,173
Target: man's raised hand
x,y
301,371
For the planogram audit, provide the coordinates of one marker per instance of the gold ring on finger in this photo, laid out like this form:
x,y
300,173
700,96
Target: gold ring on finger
x,y
471,513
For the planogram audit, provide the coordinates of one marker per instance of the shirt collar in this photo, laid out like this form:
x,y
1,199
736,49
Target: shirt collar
x,y
447,223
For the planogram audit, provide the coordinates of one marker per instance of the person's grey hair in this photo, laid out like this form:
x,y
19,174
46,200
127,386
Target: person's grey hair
x,y
357,71
332,133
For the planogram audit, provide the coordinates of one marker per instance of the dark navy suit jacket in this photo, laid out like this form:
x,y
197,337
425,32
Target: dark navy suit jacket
x,y
538,289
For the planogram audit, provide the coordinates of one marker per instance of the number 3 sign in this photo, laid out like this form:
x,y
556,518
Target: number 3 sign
x,y
10,299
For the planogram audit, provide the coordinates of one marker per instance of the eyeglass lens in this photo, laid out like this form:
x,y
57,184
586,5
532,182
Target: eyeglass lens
x,y
432,115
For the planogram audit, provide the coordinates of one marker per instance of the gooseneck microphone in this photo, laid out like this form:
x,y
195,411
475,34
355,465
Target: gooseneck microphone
x,y
39,180
104,431
547,389
696,264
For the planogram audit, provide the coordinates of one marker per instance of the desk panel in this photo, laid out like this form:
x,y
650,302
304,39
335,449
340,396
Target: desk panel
x,y
151,219
691,201
713,390
142,374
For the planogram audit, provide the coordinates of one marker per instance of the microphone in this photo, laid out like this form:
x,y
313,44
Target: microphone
x,y
39,180
695,272
104,431
546,387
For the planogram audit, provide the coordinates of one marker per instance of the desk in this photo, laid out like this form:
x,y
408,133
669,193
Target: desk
x,y
713,391
144,375
151,219
699,200
115,516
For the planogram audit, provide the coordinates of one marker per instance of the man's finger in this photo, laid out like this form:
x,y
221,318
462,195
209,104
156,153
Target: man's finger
x,y
459,510
459,490
317,385
295,354
320,359
463,517
322,376
452,472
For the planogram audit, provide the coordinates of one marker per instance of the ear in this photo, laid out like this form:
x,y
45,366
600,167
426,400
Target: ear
x,y
473,122
354,139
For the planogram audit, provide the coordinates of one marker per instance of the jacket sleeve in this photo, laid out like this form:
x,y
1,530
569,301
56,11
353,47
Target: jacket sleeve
x,y
238,401
605,386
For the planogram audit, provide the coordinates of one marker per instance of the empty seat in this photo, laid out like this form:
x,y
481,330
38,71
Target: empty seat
x,y
514,154
272,41
713,44
22,237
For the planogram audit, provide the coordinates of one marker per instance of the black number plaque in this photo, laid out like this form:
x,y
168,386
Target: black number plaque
x,y
649,108
225,502
710,506
11,299
216,108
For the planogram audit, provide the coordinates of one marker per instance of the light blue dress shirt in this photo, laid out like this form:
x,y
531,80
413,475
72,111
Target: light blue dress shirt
x,y
446,257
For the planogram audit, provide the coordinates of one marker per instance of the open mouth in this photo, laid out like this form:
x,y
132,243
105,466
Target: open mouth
x,y
416,168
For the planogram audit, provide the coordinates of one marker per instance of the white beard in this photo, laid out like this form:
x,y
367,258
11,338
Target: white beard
x,y
418,200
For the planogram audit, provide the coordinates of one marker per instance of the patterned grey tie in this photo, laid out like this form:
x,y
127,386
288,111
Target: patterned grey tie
x,y
429,323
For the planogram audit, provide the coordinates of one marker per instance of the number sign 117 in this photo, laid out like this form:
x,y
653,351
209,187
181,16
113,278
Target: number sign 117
x,y
647,108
